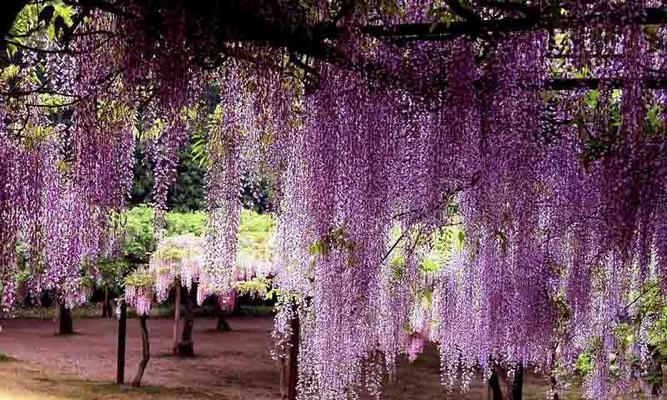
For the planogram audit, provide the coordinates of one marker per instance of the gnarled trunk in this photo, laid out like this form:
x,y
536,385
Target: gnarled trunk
x,y
65,323
107,310
145,351
177,317
221,324
495,392
186,346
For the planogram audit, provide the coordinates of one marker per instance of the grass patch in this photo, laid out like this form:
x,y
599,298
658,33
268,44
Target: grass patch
x,y
6,358
21,382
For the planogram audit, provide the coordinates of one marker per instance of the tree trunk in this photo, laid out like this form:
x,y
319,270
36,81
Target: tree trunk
x,y
657,388
106,305
145,351
234,300
291,369
495,392
186,347
656,374
122,334
221,324
177,317
517,383
65,323
221,320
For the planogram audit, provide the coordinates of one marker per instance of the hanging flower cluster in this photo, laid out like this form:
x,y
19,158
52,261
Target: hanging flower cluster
x,y
558,207
231,123
176,261
140,290
61,153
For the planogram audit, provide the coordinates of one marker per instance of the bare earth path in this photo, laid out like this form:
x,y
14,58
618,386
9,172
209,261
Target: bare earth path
x,y
235,365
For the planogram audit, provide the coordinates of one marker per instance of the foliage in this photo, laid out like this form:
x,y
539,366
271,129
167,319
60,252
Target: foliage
x,y
256,287
187,193
138,240
653,307
139,234
51,17
140,278
111,273
179,255
256,235
584,363
440,245
179,223
255,231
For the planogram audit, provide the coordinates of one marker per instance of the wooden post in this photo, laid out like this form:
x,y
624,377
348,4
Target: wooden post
x,y
177,316
283,377
122,333
145,351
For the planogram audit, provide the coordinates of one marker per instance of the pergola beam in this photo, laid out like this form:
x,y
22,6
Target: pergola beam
x,y
234,21
596,83
474,28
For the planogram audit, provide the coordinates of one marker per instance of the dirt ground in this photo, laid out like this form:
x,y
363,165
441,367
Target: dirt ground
x,y
234,365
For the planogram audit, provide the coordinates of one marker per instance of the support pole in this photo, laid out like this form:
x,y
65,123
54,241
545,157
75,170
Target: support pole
x,y
517,383
122,334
